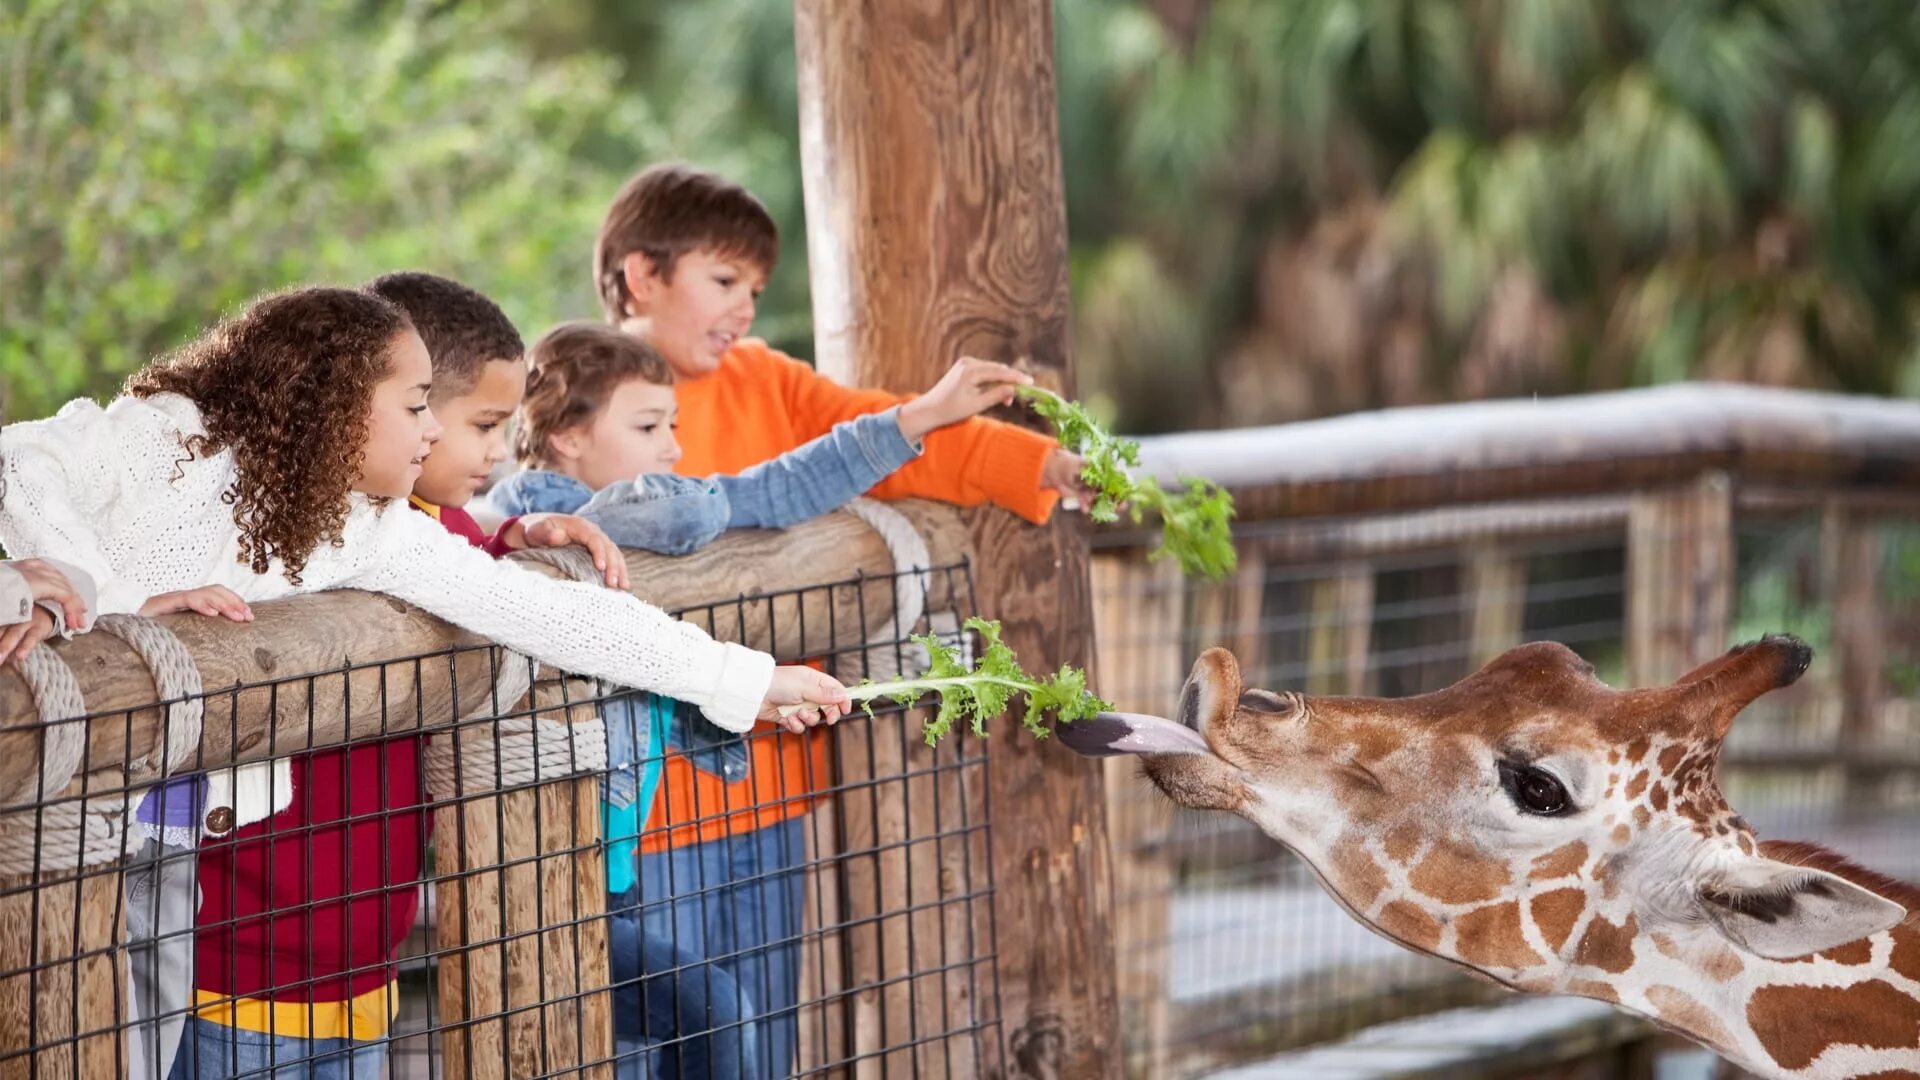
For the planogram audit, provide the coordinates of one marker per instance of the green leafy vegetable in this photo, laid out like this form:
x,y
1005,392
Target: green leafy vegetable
x,y
980,694
1195,524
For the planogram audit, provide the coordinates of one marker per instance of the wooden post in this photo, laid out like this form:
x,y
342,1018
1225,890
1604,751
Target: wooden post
x,y
1340,642
519,924
1679,578
1137,612
936,227
1851,543
63,975
1496,588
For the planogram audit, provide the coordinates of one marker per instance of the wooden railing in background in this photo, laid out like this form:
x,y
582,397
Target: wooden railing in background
x,y
1670,476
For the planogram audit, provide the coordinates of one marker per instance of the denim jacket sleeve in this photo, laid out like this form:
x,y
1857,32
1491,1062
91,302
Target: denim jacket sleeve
x,y
819,476
660,512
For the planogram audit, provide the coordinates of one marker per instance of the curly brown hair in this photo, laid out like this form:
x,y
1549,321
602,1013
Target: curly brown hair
x,y
287,385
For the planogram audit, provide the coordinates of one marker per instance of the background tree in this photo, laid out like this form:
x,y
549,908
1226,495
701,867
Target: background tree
x,y
1277,210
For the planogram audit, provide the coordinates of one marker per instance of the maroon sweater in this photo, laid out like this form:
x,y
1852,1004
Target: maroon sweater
x,y
310,904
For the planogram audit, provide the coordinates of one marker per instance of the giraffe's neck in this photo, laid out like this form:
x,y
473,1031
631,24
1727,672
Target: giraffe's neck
x,y
1561,925
1853,1010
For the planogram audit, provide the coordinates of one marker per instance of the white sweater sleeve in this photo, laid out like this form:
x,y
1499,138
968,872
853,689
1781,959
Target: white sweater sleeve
x,y
585,629
62,478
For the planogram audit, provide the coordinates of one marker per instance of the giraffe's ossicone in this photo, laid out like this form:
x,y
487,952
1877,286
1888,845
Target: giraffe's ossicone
x,y
1564,837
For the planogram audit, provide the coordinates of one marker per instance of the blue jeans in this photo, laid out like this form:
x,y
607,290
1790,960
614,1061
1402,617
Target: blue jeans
x,y
211,1051
675,1014
738,901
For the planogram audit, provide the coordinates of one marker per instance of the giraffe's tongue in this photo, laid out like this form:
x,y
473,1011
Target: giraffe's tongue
x,y
1109,734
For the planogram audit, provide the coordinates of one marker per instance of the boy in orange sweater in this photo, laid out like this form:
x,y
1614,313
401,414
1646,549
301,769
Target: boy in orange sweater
x,y
681,257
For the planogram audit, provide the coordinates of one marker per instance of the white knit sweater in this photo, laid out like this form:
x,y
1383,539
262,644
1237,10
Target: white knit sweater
x,y
97,488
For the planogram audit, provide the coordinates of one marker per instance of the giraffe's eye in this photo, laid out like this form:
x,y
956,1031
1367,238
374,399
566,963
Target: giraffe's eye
x,y
1535,791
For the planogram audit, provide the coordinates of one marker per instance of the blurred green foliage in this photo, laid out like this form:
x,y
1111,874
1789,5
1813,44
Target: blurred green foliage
x,y
163,163
1277,209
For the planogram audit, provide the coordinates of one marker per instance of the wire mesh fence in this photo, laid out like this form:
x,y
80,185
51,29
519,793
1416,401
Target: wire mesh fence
x,y
1228,950
459,863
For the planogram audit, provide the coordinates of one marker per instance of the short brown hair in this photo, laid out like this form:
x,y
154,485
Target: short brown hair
x,y
666,211
463,330
576,368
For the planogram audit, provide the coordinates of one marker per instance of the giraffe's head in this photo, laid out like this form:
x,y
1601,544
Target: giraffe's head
x,y
1529,822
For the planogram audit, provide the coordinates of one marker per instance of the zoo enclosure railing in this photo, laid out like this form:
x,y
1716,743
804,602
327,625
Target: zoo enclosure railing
x,y
507,972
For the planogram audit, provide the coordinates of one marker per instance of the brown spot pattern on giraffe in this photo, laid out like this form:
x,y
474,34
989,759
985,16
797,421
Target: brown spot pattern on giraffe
x,y
1401,842
1606,945
1555,913
1360,878
1676,1009
1491,937
1796,1024
1410,924
1638,784
1561,861
1454,875
1906,948
1658,797
1670,758
1589,988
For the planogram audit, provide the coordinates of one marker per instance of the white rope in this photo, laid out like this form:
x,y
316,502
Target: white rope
x,y
56,835
484,754
176,678
65,833
887,655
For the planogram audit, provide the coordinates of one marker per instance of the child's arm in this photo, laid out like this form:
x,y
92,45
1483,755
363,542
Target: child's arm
x,y
677,515
969,463
61,477
819,476
582,628
39,599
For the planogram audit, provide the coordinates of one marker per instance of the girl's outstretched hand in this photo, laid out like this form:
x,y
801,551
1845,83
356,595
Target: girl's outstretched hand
x,y
820,697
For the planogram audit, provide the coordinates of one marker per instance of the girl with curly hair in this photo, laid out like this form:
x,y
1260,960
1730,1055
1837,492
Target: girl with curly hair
x,y
263,460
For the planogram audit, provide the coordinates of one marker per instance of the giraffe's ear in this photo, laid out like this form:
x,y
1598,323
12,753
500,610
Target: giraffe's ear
x,y
1778,910
1212,688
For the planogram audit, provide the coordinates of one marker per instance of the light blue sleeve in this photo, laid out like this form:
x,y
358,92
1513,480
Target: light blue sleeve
x,y
819,476
660,512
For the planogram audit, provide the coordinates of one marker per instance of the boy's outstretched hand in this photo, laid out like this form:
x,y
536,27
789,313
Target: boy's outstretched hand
x,y
970,387
560,530
1061,473
825,700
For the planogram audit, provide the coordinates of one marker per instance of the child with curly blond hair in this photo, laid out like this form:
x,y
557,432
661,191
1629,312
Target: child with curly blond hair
x,y
265,460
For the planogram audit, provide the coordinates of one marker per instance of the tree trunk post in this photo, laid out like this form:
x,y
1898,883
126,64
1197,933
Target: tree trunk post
x,y
936,228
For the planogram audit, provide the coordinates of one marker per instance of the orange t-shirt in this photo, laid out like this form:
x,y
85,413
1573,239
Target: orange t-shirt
x,y
760,404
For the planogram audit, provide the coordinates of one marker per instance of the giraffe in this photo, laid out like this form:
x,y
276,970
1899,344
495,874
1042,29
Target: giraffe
x,y
1559,836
